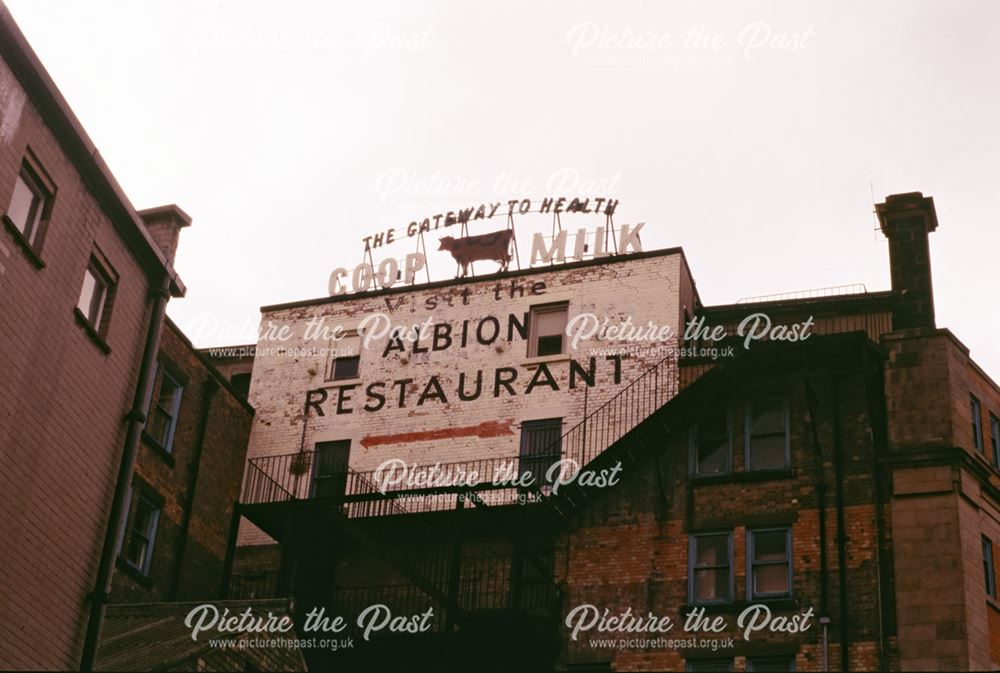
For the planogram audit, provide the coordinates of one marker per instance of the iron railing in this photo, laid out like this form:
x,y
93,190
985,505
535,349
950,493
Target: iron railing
x,y
442,486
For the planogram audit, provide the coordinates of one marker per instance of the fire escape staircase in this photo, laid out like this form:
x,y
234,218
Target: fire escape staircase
x,y
621,429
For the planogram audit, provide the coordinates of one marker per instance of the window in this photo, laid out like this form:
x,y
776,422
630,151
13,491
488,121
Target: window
x,y
767,434
989,576
541,448
710,568
547,328
708,665
711,446
977,428
97,295
329,476
140,531
995,438
29,204
758,664
770,563
345,358
165,407
92,295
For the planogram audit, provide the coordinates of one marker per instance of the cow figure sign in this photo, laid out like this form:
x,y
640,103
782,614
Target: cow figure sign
x,y
494,246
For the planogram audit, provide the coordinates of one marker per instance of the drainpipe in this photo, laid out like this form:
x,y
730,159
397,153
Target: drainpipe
x,y
824,608
838,463
136,420
208,390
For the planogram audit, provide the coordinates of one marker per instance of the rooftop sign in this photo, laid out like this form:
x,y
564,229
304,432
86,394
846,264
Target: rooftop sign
x,y
499,246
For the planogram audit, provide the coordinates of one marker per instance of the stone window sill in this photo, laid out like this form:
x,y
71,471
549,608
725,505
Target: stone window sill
x,y
545,359
340,383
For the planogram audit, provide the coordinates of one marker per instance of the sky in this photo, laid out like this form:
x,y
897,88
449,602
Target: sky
x,y
756,135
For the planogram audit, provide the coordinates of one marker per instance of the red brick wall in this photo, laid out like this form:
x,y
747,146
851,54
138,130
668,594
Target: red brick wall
x,y
631,548
62,403
220,474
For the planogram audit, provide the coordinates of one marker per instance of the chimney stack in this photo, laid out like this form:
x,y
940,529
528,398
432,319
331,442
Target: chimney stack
x,y
906,220
164,224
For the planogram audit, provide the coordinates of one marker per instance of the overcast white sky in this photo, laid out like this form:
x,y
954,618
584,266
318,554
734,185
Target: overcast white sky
x,y
290,130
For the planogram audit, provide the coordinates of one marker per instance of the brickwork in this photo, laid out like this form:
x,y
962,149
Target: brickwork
x,y
62,402
631,549
647,288
945,500
219,470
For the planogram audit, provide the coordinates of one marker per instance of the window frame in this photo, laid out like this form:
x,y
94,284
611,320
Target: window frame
x,y
977,423
753,662
540,309
43,190
539,425
748,436
752,564
351,337
98,294
100,268
161,370
693,567
995,438
989,571
324,484
140,492
694,446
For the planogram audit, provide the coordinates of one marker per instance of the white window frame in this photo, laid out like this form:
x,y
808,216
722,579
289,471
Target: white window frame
x,y
533,336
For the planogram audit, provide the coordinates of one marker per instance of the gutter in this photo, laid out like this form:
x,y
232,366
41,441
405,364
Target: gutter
x,y
135,420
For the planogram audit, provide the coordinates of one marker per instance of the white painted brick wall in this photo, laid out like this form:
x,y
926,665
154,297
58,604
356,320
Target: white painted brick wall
x,y
647,289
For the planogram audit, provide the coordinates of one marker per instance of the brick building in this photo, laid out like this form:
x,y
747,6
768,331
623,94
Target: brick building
x,y
846,481
83,285
123,446
186,482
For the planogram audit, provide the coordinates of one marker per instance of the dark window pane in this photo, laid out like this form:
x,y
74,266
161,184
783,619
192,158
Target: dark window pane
x,y
139,540
159,426
768,416
711,585
712,550
346,368
541,447
977,434
767,453
709,665
988,571
550,345
771,579
713,456
330,469
770,545
712,444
